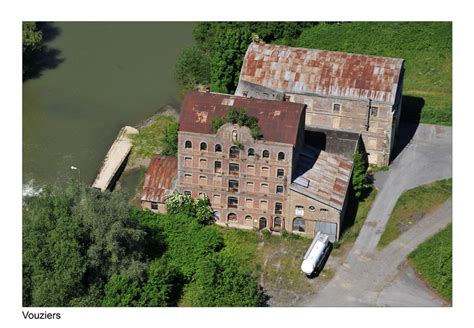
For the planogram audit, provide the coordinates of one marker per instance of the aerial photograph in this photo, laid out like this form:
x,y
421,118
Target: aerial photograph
x,y
236,164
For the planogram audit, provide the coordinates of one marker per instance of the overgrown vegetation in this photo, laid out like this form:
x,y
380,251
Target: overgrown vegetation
x,y
239,117
220,47
433,261
32,38
359,174
426,47
82,247
412,205
160,137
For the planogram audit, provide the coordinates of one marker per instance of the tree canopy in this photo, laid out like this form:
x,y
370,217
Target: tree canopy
x,y
240,117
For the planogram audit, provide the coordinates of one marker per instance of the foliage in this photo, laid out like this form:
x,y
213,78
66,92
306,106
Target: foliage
x,y
155,290
32,40
358,174
187,241
198,209
158,137
192,68
425,46
414,203
433,260
75,238
222,281
220,48
239,117
169,139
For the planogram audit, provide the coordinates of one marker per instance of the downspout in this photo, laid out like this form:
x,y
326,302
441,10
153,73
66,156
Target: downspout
x,y
368,114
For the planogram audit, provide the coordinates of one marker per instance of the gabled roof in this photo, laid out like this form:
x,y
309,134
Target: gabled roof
x,y
278,120
321,72
159,178
322,176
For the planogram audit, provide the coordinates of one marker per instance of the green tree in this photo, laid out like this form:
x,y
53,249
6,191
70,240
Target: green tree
x,y
169,139
222,281
74,239
358,173
240,117
192,68
32,40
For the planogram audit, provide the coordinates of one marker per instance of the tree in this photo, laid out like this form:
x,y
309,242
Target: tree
x,y
169,139
74,239
358,173
239,117
192,68
221,281
32,39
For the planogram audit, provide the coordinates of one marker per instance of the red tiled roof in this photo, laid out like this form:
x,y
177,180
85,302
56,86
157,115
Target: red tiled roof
x,y
326,179
278,120
159,178
321,72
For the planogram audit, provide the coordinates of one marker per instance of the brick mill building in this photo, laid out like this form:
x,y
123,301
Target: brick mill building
x,y
342,91
274,182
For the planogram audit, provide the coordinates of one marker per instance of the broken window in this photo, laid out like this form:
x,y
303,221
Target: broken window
x,y
278,208
234,152
336,108
281,156
280,173
265,154
279,189
233,185
374,111
218,148
218,167
298,225
203,146
188,144
233,169
232,202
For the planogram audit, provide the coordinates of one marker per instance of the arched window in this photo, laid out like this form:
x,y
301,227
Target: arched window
x,y
248,218
188,144
277,223
251,152
265,154
262,223
281,156
218,148
298,225
234,152
203,146
232,217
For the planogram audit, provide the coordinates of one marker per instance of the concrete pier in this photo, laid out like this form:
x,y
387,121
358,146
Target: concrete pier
x,y
115,158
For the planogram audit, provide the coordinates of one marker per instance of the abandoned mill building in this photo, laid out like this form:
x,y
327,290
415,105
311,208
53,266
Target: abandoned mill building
x,y
342,91
275,182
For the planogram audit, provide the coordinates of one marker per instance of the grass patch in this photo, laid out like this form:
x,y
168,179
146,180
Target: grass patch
x,y
148,142
275,261
433,261
362,209
374,168
426,47
412,205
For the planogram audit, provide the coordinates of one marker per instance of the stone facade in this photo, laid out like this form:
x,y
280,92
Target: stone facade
x,y
246,188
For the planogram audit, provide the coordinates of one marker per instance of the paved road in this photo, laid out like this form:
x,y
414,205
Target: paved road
x,y
368,277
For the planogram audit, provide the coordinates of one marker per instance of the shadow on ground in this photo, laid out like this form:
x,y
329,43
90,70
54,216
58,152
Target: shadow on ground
x,y
409,121
44,57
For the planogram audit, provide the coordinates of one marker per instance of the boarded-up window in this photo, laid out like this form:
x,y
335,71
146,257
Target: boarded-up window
x,y
216,199
251,169
188,178
264,204
250,186
249,202
264,187
203,180
217,181
188,161
265,171
203,163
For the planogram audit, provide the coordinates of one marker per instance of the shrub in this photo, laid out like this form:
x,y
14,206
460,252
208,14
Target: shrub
x,y
239,117
358,174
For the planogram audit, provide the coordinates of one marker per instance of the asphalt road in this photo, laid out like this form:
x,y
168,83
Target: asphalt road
x,y
371,278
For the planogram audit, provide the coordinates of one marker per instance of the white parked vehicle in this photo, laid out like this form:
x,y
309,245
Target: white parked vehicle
x,y
315,254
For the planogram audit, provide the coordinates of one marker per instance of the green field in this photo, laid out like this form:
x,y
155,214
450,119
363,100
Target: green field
x,y
426,47
433,261
412,205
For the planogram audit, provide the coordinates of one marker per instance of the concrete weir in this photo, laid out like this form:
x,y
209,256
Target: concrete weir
x,y
115,159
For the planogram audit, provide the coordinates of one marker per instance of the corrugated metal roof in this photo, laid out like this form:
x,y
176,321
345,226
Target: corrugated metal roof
x,y
159,178
328,176
321,72
278,120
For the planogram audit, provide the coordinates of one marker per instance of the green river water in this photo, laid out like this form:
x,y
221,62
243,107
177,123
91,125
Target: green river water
x,y
112,74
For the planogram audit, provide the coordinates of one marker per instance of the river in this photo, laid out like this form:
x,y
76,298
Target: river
x,y
108,75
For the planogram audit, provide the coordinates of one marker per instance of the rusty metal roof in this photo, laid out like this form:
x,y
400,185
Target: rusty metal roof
x,y
278,120
326,176
159,178
321,72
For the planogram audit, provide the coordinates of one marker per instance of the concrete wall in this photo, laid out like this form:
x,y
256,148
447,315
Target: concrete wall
x,y
321,212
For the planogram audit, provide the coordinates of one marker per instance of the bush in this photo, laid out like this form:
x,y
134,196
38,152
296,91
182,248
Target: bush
x,y
169,139
358,174
198,209
239,117
192,68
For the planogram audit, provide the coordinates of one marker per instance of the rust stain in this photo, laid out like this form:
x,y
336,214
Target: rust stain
x,y
159,178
